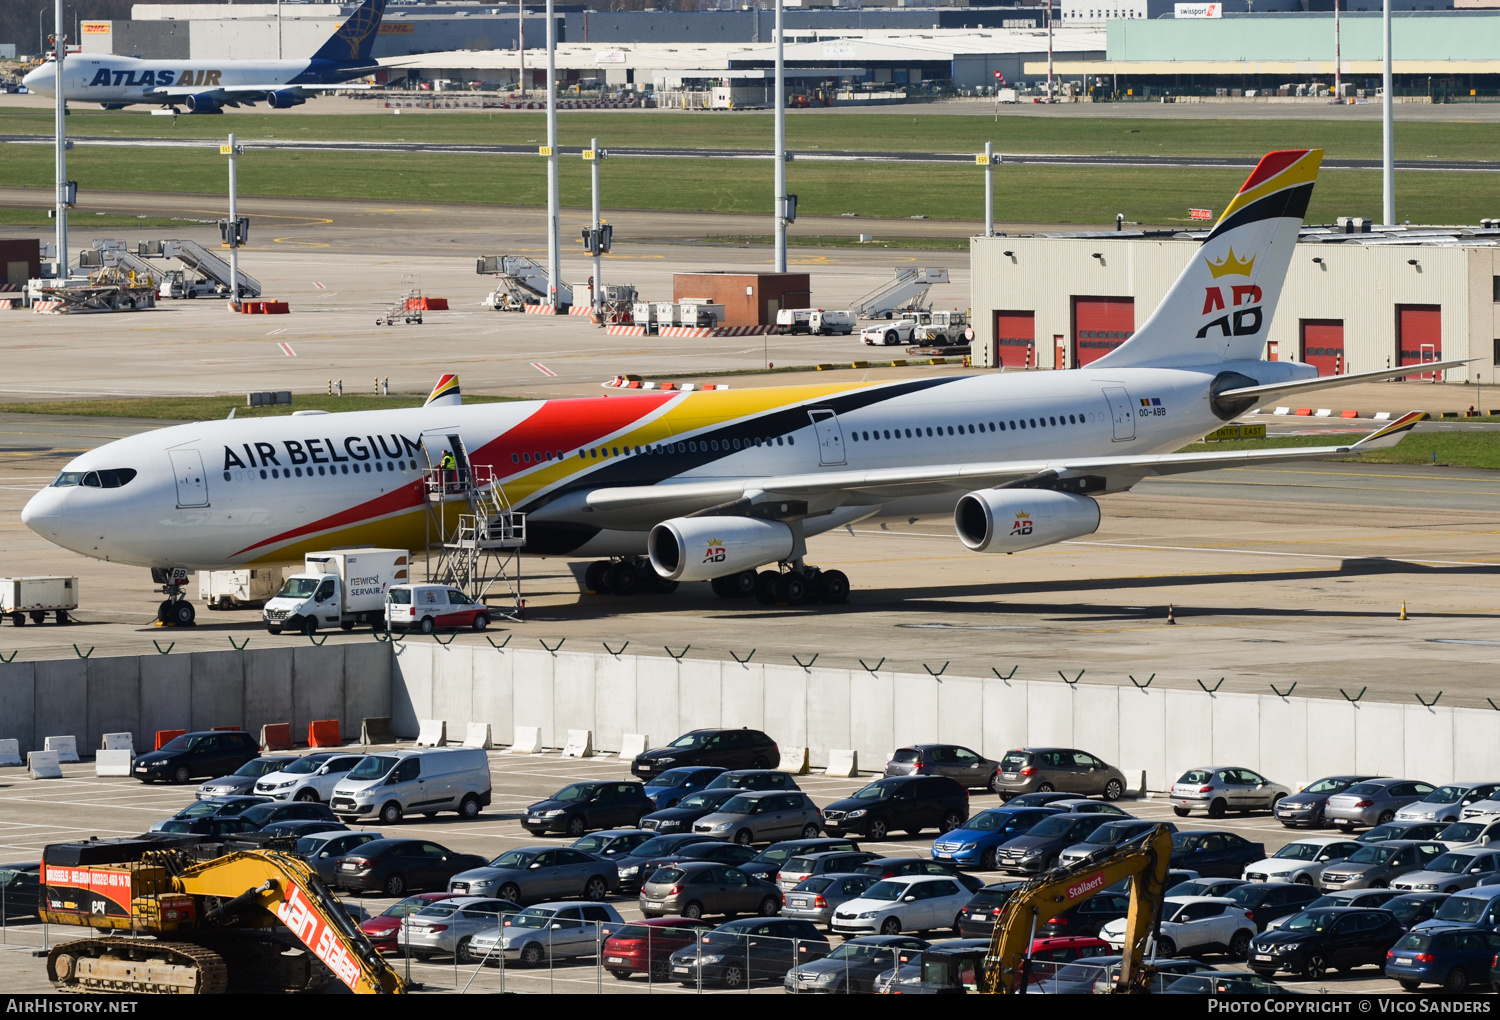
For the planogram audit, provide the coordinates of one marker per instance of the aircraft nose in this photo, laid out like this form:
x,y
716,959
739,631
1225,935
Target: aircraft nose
x,y
35,78
43,513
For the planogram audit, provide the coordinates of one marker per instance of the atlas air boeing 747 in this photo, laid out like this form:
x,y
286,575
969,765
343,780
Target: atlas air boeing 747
x,y
115,82
661,487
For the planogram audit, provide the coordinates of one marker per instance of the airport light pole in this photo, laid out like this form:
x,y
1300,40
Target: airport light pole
x,y
521,46
988,159
554,256
595,156
1388,131
64,198
1049,51
780,176
233,234
1338,56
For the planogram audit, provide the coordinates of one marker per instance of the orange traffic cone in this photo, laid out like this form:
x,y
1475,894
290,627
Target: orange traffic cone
x,y
1172,620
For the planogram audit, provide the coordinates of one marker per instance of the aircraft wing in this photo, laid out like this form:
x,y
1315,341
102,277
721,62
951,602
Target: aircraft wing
x,y
845,488
259,90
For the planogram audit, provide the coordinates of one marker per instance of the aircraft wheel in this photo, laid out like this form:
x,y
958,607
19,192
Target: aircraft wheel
x,y
622,579
765,585
183,613
791,588
594,577
164,611
833,587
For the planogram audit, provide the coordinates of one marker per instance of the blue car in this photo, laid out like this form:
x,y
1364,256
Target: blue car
x,y
666,788
972,845
1453,957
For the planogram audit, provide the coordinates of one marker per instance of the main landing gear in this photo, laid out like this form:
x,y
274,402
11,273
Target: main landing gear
x,y
630,576
795,587
176,610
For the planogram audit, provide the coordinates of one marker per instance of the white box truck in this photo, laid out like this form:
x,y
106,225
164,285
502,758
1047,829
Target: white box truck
x,y
794,320
831,322
35,597
340,588
239,589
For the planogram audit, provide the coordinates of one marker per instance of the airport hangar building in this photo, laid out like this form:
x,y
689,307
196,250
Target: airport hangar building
x,y
1353,302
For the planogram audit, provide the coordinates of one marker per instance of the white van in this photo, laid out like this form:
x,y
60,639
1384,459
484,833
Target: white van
x,y
831,322
426,780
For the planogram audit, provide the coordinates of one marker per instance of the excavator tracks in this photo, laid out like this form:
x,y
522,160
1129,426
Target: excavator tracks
x,y
145,966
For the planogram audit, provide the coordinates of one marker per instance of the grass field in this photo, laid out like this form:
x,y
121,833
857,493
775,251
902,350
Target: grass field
x,y
906,131
1024,194
209,408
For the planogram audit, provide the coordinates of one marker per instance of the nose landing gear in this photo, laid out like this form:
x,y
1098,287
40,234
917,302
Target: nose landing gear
x,y
175,610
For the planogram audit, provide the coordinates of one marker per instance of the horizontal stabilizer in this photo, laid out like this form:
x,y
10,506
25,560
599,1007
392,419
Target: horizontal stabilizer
x,y
1270,391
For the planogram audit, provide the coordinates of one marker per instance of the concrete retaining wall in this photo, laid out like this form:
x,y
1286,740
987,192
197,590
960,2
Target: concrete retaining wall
x,y
1161,732
87,698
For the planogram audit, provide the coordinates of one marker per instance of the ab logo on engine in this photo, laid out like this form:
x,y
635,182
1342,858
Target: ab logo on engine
x,y
1021,526
715,552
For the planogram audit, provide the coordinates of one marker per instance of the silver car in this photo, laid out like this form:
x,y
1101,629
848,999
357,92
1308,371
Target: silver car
x,y
445,927
958,763
547,931
310,778
814,899
763,816
1373,802
1377,865
322,850
1454,870
242,780
1217,791
1447,803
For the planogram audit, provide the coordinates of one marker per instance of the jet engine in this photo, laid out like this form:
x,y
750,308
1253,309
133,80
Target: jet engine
x,y
285,99
702,548
205,102
1011,520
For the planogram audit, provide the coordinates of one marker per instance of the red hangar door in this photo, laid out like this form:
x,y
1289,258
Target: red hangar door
x,y
1419,336
1100,324
1323,345
1015,339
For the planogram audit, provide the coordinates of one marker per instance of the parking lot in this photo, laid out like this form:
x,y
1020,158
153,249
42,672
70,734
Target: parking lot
x,y
36,813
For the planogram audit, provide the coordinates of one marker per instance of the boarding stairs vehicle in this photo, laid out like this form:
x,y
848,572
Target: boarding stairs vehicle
x,y
1144,860
200,918
519,281
907,292
207,265
478,551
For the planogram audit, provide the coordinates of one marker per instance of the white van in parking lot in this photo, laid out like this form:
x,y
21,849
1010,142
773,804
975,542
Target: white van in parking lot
x,y
423,781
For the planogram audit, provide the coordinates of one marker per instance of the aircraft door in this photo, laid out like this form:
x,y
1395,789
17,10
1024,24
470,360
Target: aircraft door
x,y
192,484
1122,413
830,436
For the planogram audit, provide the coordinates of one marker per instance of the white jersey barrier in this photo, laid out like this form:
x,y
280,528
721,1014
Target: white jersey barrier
x,y
10,751
43,765
478,735
118,742
528,740
633,744
432,733
112,763
580,744
66,748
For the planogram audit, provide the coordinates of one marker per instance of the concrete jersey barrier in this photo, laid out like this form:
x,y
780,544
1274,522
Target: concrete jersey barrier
x,y
478,735
580,744
66,748
433,733
633,745
528,740
118,742
43,765
111,762
10,751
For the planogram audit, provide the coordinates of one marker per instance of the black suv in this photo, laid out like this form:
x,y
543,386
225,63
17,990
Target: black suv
x,y
199,755
579,807
909,803
729,749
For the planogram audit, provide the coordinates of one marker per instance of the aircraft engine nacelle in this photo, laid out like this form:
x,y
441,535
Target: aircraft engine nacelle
x,y
702,548
285,99
204,102
1011,520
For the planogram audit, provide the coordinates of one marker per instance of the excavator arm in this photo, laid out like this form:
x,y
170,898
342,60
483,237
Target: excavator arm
x,y
291,891
1144,859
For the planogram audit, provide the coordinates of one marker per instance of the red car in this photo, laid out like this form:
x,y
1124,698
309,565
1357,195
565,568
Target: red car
x,y
1048,955
382,930
429,607
643,946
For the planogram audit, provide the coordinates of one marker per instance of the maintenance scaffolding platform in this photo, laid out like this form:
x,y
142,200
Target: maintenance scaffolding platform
x,y
478,551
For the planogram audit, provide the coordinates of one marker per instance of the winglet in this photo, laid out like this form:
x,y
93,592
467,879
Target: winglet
x,y
1391,434
445,393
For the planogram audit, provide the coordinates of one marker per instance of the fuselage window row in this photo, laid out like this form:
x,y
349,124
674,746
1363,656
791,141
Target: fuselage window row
x,y
335,469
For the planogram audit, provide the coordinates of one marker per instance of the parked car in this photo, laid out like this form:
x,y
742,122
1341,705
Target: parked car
x,y
1305,807
529,874
688,810
897,867
1483,809
1315,941
725,748
815,899
398,866
242,780
646,946
1088,806
667,788
1303,860
1447,803
1037,850
1376,865
1264,902
579,807
1109,836
261,815
1204,886
194,755
965,767
214,807
1454,870
763,816
1045,769
1043,799
696,888
546,931
908,803
952,967
1365,899
1478,906
322,850
1411,909
1217,791
300,827
310,778
714,851
907,903
750,949
753,779
1373,802
824,862
20,887
383,928
853,967
429,607
611,844
445,928
1097,974
1401,830
1473,834
769,862
217,828
1089,917
419,779
629,869
974,844
1226,984
1454,958
1202,924
1210,853
1051,954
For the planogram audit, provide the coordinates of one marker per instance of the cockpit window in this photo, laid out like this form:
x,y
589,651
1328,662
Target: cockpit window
x,y
109,478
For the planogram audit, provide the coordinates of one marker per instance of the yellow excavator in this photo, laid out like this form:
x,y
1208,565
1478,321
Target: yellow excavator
x,y
199,918
1144,860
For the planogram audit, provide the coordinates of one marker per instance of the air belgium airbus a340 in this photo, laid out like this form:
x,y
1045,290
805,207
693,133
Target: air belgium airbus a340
x,y
661,487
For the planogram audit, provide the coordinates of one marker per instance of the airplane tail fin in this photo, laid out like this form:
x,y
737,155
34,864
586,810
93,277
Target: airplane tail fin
x,y
1220,308
445,393
355,38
